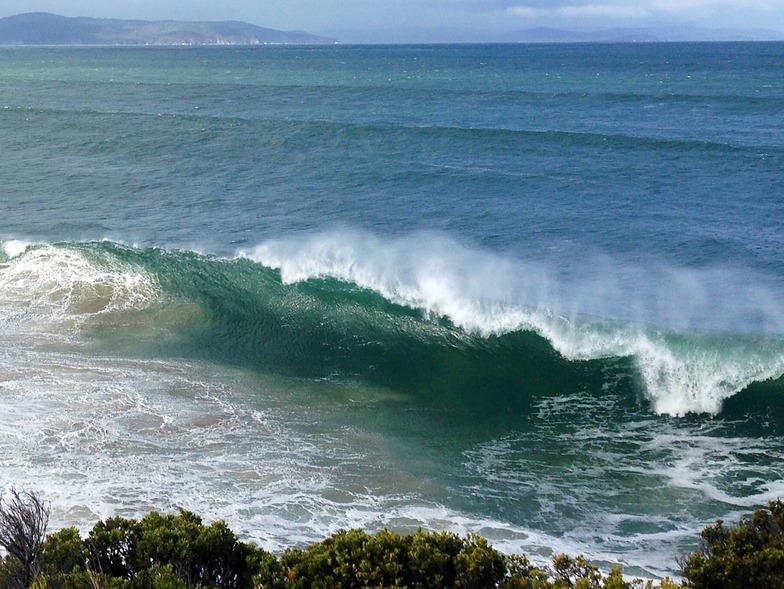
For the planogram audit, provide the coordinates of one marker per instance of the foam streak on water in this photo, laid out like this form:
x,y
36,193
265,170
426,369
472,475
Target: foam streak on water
x,y
100,437
104,437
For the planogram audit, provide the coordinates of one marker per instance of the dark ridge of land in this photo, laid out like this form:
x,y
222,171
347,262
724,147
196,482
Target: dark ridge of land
x,y
545,35
642,35
42,28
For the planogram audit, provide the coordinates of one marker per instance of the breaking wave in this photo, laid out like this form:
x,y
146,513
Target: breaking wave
x,y
421,315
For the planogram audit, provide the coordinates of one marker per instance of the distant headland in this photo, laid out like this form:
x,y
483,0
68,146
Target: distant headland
x,y
42,28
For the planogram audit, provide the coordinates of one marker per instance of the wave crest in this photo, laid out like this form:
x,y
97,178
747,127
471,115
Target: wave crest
x,y
682,369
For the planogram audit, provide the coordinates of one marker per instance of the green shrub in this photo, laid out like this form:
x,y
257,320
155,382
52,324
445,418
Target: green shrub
x,y
180,552
432,559
196,554
112,546
748,556
424,560
171,550
268,572
157,577
478,565
521,574
64,552
340,561
11,573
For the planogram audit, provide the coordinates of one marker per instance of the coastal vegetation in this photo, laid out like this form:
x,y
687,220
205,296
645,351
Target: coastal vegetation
x,y
180,551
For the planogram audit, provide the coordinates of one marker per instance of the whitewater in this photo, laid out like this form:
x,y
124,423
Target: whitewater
x,y
530,292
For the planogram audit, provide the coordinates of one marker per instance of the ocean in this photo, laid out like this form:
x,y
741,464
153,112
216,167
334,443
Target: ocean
x,y
533,292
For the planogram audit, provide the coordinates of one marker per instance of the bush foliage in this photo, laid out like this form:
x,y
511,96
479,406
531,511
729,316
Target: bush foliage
x,y
747,556
181,552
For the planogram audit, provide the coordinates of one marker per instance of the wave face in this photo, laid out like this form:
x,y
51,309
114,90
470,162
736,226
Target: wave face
x,y
421,315
497,302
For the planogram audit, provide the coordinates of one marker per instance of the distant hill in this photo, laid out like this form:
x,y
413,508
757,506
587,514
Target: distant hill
x,y
642,35
545,35
41,28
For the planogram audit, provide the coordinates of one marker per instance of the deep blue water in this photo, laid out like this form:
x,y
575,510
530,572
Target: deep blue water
x,y
529,291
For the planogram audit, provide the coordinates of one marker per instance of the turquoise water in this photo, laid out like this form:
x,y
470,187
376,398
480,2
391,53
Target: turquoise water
x,y
532,292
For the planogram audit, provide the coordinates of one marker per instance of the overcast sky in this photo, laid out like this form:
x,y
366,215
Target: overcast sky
x,y
430,20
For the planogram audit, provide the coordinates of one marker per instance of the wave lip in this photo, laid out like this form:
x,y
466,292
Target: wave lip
x,y
699,376
13,248
681,370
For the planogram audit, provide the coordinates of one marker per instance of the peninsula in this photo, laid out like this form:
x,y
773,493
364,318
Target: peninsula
x,y
41,28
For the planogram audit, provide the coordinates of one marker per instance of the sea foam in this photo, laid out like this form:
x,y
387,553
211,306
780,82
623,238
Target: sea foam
x,y
66,282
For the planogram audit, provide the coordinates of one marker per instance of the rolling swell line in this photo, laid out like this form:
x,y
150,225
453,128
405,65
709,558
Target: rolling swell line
x,y
239,312
409,132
